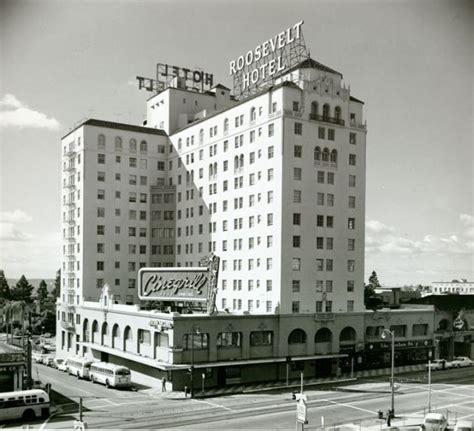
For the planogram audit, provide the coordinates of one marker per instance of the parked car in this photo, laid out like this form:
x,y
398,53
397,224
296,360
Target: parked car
x,y
435,422
47,360
438,364
464,426
461,361
36,356
60,364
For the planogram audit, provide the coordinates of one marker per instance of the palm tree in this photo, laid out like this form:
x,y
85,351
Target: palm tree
x,y
10,309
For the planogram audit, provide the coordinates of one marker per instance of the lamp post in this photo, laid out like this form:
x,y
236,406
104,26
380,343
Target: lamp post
x,y
385,334
194,331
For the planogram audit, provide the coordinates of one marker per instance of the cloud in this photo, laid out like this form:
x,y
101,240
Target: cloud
x,y
14,113
381,238
14,216
8,232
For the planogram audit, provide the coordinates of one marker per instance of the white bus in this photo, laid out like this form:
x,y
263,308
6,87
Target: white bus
x,y
110,375
26,405
79,367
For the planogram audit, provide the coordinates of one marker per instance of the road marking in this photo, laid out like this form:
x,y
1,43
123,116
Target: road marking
x,y
46,421
215,405
349,406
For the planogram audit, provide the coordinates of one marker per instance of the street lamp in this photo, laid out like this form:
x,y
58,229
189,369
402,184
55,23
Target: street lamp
x,y
385,334
194,331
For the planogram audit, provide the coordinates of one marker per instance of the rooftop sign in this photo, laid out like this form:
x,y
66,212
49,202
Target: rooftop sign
x,y
268,60
177,77
174,284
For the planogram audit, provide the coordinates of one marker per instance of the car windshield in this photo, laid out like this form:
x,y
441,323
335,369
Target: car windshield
x,y
433,421
123,372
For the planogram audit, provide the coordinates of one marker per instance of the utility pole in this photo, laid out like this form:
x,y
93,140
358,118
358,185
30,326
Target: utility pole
x,y
429,386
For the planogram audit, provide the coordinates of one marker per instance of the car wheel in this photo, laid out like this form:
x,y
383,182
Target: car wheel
x,y
107,384
29,415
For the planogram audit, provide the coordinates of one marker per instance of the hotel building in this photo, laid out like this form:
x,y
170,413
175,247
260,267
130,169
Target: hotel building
x,y
273,184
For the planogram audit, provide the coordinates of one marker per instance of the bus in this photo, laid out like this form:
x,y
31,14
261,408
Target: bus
x,y
26,405
79,367
110,375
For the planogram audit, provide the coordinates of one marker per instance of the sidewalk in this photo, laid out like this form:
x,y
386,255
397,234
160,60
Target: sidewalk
x,y
294,384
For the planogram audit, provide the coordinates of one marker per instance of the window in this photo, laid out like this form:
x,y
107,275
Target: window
x,y
297,151
261,338
352,180
330,200
199,341
329,221
329,243
295,287
320,198
100,176
331,134
320,177
320,220
100,230
269,285
100,266
351,223
101,159
297,219
350,265
419,329
399,330
328,306
229,339
351,244
350,285
269,174
320,242
319,306
296,241
268,306
295,306
270,152
270,219
329,264
352,201
160,166
319,264
133,162
321,133
296,196
330,177
352,159
352,138
101,142
100,194
271,129
297,174
296,264
298,128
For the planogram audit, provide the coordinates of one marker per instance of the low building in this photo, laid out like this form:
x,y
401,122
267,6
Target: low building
x,y
454,287
230,349
12,367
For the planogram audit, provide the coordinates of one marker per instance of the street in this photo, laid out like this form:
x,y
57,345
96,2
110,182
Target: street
x,y
354,404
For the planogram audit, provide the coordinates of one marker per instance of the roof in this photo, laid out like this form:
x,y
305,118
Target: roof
x,y
221,86
253,96
353,99
118,126
309,63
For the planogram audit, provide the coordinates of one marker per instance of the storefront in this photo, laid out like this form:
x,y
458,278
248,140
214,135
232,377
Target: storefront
x,y
12,367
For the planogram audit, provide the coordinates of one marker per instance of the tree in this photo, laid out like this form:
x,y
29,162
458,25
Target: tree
x,y
374,280
56,292
42,293
5,294
22,291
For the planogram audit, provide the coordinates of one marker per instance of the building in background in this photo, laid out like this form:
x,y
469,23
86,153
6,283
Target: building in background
x,y
454,287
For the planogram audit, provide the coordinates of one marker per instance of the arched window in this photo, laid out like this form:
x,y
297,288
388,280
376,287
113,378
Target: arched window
x,y
211,170
334,156
325,155
337,112
133,145
127,338
348,335
118,143
297,336
101,141
253,113
326,110
324,335
143,147
104,333
201,136
317,154
180,143
314,111
215,168
95,331
85,331
236,162
115,334
226,125
241,161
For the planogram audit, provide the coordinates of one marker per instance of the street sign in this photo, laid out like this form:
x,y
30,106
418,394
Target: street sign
x,y
301,412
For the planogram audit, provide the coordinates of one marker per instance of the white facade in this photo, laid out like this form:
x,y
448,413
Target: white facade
x,y
273,184
460,287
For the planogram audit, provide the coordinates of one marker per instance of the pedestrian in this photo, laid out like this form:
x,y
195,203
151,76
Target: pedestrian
x,y
163,385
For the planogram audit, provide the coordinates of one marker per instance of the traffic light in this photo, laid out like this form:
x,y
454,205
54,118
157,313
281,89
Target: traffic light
x,y
380,414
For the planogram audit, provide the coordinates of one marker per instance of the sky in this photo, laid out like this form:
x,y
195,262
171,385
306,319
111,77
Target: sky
x,y
411,62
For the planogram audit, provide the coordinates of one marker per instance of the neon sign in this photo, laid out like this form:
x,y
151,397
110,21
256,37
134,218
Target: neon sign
x,y
268,60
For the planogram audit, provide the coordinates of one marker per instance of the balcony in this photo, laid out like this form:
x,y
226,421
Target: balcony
x,y
69,168
355,125
70,204
68,325
293,113
70,152
274,114
325,164
326,119
70,221
70,186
